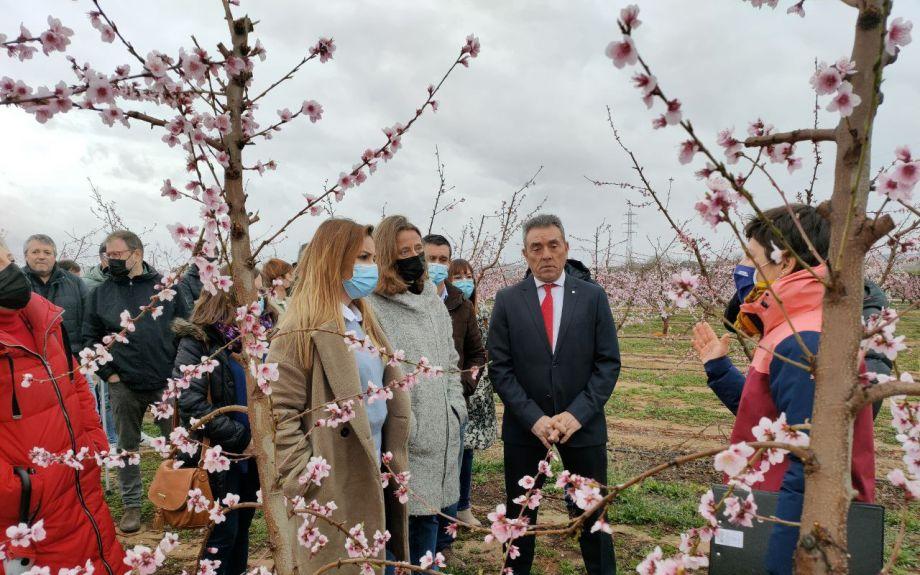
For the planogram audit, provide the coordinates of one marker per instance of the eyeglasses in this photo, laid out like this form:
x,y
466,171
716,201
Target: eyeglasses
x,y
122,255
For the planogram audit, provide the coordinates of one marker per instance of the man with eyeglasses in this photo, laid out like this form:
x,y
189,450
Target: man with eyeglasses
x,y
137,374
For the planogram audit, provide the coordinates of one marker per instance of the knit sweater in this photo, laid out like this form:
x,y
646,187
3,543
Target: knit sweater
x,y
421,327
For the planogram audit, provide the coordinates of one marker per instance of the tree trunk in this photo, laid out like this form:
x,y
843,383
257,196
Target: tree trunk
x,y
828,487
274,506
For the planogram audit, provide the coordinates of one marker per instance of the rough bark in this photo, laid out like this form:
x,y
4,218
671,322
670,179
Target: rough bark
x,y
828,487
242,266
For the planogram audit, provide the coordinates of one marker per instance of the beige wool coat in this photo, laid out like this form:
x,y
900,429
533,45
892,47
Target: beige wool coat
x,y
354,481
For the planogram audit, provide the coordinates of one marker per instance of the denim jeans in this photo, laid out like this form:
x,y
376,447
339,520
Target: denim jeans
x,y
445,540
423,536
230,539
466,480
100,391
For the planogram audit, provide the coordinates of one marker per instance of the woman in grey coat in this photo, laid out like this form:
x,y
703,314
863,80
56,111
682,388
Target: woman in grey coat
x,y
416,321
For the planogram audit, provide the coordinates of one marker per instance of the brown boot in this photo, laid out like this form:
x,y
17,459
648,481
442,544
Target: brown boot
x,y
130,520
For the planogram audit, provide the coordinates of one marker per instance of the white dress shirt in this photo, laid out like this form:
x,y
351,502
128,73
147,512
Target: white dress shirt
x,y
558,294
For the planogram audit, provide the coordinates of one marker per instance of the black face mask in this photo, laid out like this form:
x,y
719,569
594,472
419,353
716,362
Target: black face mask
x,y
118,268
15,288
411,269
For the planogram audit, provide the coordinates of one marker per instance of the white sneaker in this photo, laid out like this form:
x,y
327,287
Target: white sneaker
x,y
145,439
467,517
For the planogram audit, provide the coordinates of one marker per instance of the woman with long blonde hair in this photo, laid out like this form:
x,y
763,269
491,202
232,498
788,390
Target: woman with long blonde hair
x,y
414,316
315,368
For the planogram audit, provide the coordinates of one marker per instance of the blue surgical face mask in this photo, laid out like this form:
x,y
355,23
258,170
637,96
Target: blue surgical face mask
x,y
437,273
744,280
466,286
363,281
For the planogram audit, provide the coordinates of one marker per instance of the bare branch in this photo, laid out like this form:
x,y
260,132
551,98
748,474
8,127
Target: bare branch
x,y
809,135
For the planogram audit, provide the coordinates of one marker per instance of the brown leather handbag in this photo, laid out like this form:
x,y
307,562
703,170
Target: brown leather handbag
x,y
169,492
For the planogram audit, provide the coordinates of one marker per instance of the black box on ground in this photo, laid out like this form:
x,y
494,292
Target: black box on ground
x,y
741,550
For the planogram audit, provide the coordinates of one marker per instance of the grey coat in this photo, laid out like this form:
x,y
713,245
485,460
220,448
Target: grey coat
x,y
421,327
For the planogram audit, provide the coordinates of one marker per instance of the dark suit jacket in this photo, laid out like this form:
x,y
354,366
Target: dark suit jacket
x,y
532,381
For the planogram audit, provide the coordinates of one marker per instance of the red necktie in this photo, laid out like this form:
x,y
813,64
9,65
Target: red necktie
x,y
547,308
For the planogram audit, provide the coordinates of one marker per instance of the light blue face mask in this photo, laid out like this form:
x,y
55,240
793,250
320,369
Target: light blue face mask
x,y
466,286
363,281
437,273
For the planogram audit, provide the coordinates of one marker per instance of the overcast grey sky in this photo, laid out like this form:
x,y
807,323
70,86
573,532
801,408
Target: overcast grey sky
x,y
536,96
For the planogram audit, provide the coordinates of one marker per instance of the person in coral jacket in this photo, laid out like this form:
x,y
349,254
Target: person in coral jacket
x,y
59,511
786,321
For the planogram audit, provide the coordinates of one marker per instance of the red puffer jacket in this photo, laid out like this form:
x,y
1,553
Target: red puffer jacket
x,y
56,411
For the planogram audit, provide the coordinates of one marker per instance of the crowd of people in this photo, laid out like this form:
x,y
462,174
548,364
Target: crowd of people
x,y
548,348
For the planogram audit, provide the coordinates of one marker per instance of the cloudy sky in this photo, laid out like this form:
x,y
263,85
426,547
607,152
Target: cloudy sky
x,y
536,96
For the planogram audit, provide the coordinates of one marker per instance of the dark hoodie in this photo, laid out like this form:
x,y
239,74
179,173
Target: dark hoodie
x,y
147,360
189,287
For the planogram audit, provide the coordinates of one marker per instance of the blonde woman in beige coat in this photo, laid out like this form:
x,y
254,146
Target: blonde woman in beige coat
x,y
315,368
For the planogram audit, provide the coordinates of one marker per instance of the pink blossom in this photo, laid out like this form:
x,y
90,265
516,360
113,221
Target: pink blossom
x,y
313,109
623,52
193,67
107,34
325,47
649,565
683,286
285,115
659,122
902,154
888,186
673,115
156,64
898,479
56,37
798,8
99,89
733,460
645,82
234,66
707,508
688,149
733,147
759,128
111,114
898,35
472,46
629,17
427,560
741,512
826,79
907,173
26,381
844,101
215,461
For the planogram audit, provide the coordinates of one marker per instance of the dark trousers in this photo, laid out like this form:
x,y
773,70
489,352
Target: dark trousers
x,y
466,480
231,538
423,536
591,462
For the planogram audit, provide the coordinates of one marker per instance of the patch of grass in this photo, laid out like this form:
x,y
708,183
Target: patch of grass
x,y
658,504
685,415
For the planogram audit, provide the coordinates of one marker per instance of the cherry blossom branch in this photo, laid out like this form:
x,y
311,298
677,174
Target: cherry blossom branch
x,y
866,395
114,28
379,562
803,135
384,151
288,76
647,186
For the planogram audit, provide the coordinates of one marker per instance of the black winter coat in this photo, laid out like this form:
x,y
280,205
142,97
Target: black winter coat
x,y
66,291
147,360
212,391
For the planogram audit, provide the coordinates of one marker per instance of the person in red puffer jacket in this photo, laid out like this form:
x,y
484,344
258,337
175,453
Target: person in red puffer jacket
x,y
52,410
786,319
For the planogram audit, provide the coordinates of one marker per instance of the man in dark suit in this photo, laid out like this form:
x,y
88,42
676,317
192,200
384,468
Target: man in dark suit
x,y
555,361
